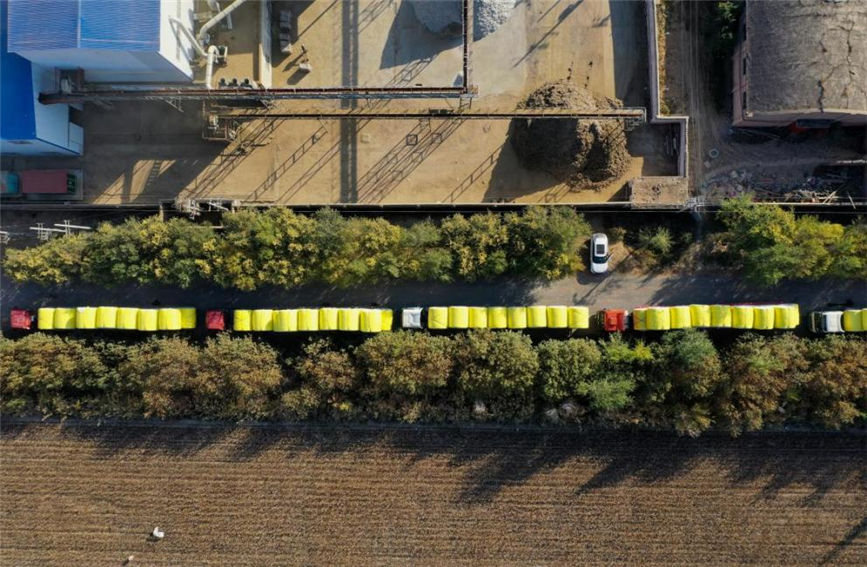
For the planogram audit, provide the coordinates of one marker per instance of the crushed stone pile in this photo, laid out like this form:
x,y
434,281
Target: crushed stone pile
x,y
444,16
581,153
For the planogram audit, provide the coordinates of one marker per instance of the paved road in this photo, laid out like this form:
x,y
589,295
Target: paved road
x,y
612,290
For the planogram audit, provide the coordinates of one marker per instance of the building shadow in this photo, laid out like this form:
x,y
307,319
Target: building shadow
x,y
629,39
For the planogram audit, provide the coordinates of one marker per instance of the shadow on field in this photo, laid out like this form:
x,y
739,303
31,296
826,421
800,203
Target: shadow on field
x,y
491,458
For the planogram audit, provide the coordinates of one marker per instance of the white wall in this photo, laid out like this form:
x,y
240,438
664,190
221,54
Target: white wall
x,y
52,120
175,47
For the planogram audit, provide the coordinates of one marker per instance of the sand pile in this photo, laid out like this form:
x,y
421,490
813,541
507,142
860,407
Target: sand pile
x,y
581,153
444,16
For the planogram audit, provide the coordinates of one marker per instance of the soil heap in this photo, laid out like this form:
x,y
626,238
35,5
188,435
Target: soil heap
x,y
444,17
581,153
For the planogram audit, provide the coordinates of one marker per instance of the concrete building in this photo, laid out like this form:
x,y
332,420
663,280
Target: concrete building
x,y
26,126
110,40
801,62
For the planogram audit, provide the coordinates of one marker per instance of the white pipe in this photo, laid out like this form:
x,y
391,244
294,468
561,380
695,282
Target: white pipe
x,y
203,31
209,69
199,49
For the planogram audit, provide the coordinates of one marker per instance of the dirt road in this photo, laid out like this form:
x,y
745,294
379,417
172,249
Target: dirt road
x,y
324,496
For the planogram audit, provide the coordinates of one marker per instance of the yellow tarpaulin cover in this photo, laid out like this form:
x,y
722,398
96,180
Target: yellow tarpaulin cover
x,y
308,319
85,318
478,317
148,320
558,318
438,318
763,317
681,317
864,319
242,320
852,321
459,317
285,320
787,316
45,318
721,316
106,317
700,315
517,317
329,319
658,319
188,317
371,321
742,317
262,320
639,319
387,319
169,319
349,319
579,317
497,318
64,318
127,318
537,316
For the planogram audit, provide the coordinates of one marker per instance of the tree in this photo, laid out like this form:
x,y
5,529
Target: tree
x,y
544,241
239,377
51,375
477,244
329,378
684,382
406,363
57,261
763,374
835,386
567,367
167,372
497,368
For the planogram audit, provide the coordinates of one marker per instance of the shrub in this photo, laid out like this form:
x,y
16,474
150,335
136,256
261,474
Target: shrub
x,y
497,368
566,368
51,375
167,372
406,363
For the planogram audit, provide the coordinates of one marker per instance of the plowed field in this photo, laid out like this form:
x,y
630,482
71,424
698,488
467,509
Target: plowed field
x,y
87,495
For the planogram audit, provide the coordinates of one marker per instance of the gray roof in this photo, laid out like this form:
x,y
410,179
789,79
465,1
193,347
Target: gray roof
x,y
807,55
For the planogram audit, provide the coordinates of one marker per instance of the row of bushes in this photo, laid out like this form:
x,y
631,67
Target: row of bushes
x,y
681,382
770,244
281,248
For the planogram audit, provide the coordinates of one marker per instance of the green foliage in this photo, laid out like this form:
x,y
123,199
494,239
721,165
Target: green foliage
x,y
499,369
681,388
770,244
280,248
51,375
763,378
406,363
567,368
680,382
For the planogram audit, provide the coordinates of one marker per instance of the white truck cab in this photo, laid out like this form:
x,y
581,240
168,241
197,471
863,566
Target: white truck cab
x,y
826,321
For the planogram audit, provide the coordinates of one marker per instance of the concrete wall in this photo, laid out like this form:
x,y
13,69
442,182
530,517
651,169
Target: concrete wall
x,y
176,47
655,116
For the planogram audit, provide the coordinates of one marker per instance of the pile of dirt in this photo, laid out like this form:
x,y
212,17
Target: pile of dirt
x,y
444,17
581,153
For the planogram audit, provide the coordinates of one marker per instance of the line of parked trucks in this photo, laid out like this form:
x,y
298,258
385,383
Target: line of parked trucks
x,y
375,320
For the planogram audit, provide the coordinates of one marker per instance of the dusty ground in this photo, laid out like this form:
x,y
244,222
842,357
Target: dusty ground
x,y
144,153
319,496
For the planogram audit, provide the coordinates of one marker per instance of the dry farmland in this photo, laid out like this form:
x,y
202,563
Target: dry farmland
x,y
86,495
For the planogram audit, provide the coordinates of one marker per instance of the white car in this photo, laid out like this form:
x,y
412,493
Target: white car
x,y
599,253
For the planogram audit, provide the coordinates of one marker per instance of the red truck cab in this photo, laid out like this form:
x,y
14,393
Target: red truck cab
x,y
20,319
615,320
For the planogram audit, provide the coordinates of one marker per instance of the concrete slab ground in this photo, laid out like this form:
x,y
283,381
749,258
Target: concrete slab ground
x,y
146,152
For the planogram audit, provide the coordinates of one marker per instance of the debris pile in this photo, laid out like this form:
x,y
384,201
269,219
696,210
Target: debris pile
x,y
581,153
444,17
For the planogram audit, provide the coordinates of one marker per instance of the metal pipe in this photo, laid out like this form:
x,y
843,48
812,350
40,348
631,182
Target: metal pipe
x,y
199,49
203,31
209,69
